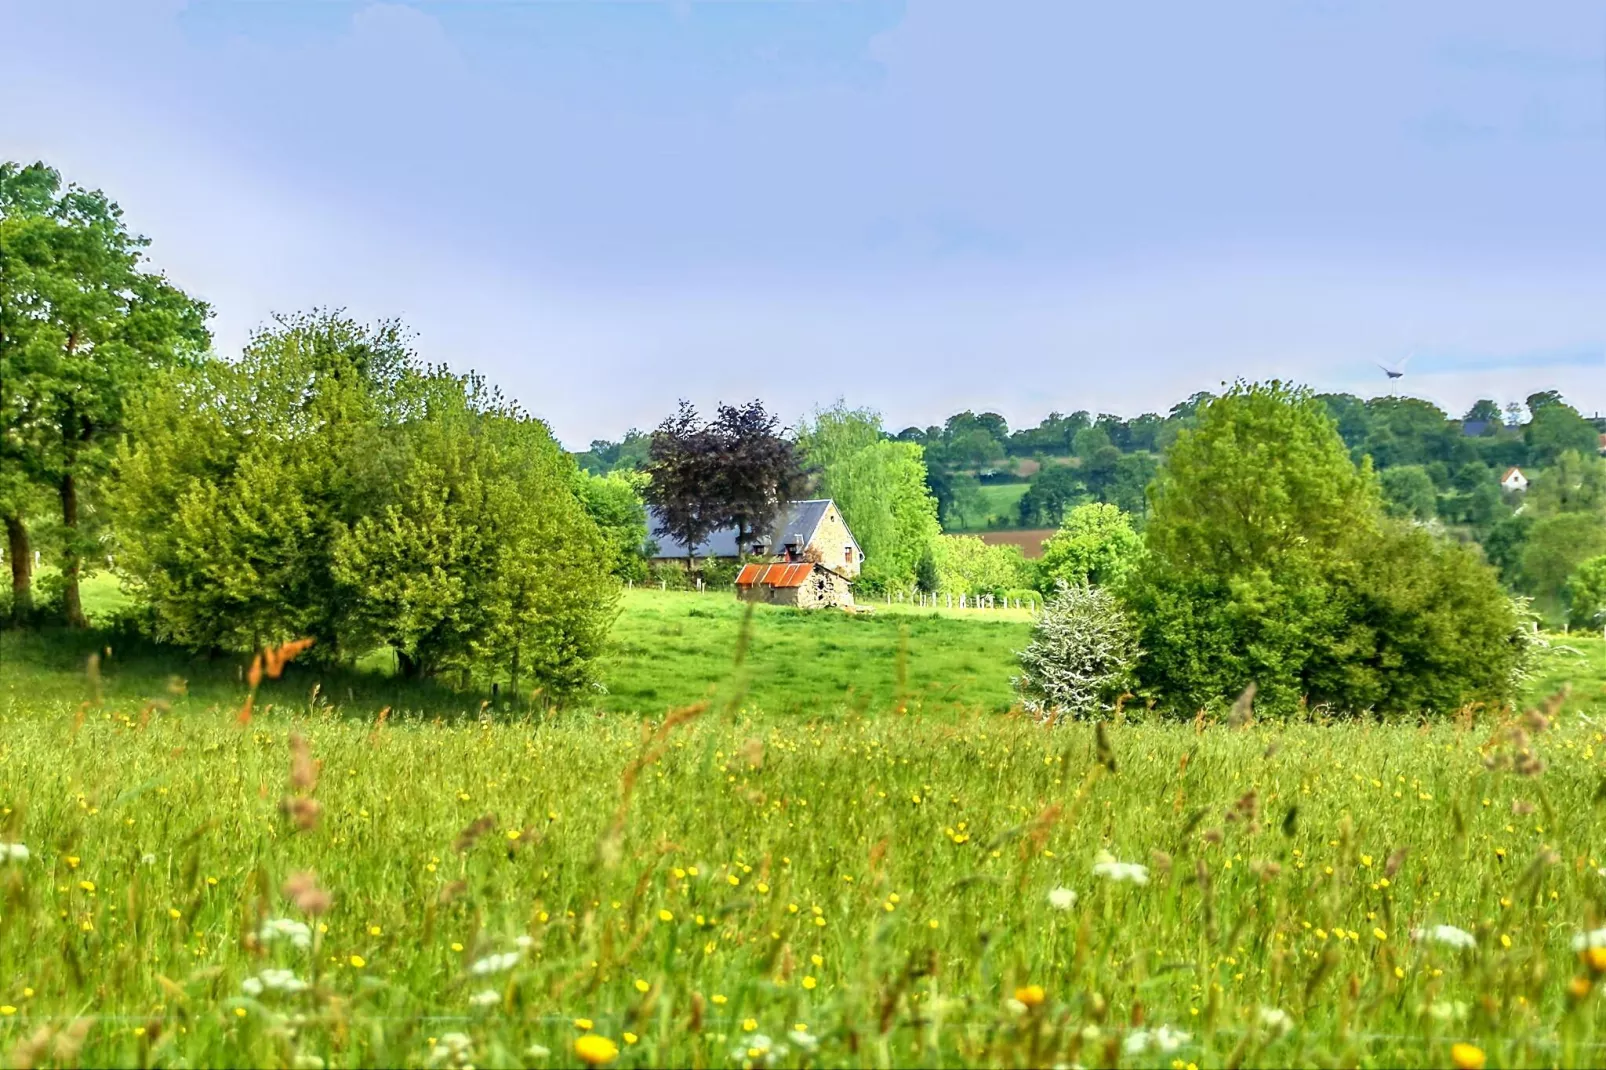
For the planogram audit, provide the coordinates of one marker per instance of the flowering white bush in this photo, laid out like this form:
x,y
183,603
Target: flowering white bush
x,y
1081,656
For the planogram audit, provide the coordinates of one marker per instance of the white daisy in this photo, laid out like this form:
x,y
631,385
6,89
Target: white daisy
x,y
1448,935
1107,867
494,964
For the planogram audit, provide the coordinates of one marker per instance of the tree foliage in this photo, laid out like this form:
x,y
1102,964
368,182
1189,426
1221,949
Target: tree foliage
x,y
880,486
329,486
1586,594
737,470
85,327
1270,561
967,565
1096,545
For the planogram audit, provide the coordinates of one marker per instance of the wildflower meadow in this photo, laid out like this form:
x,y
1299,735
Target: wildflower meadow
x,y
314,885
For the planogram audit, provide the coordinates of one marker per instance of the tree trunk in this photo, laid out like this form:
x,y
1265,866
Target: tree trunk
x,y
513,681
21,568
406,665
71,560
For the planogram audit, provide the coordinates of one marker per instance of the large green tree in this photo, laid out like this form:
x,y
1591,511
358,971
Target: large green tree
x,y
1567,502
329,485
1556,428
85,328
1269,561
880,485
1096,544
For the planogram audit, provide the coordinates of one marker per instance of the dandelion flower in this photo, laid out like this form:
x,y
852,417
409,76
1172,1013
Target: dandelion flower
x,y
595,1050
1062,899
1448,935
358,962
1031,995
1467,1056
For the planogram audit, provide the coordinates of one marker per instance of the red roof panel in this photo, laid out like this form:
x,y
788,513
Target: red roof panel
x,y
780,575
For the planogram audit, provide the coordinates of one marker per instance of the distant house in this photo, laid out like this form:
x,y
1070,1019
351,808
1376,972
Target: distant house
x,y
810,530
805,584
1603,444
1514,480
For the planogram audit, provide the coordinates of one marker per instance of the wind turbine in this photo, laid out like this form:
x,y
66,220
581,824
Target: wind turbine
x,y
1396,372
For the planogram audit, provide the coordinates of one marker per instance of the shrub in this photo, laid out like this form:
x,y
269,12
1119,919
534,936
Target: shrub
x,y
1096,545
1081,655
1586,594
1269,561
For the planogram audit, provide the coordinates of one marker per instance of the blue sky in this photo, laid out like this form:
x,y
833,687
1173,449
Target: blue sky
x,y
1018,206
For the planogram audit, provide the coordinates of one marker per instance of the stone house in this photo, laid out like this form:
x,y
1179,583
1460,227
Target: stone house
x,y
809,531
804,584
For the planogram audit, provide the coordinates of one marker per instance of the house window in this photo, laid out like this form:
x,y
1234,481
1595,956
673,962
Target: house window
x,y
847,554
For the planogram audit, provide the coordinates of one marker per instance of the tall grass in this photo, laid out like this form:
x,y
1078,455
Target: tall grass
x,y
861,890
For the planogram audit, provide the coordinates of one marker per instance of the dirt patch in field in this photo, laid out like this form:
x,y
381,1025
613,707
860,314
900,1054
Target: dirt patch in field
x,y
1030,542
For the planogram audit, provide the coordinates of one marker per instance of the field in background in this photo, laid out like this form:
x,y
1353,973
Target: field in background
x,y
1029,541
1001,508
667,650
868,891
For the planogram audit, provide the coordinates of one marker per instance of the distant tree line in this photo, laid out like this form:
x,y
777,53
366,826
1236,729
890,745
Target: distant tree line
x,y
1431,468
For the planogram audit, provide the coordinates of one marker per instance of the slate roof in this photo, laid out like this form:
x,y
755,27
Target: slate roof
x,y
797,525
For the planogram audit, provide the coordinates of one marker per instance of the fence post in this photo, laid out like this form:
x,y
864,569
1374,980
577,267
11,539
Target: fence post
x,y
663,585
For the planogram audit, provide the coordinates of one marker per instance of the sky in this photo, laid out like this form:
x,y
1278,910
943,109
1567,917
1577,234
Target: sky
x,y
1014,205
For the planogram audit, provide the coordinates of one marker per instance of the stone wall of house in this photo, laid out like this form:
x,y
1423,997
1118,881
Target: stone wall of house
x,y
829,539
824,588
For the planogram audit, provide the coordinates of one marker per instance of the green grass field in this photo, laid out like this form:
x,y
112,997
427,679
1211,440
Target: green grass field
x,y
1001,503
667,650
825,883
